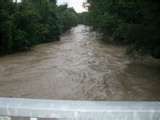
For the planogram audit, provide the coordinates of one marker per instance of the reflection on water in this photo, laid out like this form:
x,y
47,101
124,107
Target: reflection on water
x,y
78,67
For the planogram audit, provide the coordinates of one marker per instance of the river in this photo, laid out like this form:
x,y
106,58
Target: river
x,y
79,67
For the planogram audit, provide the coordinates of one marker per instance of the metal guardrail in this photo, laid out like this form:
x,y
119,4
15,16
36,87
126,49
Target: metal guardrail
x,y
29,109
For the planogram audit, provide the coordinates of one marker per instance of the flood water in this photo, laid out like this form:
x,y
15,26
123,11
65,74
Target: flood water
x,y
79,67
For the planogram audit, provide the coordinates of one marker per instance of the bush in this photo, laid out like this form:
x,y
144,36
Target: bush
x,y
135,23
31,22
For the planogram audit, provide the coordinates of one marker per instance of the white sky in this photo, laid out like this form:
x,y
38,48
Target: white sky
x,y
76,4
17,0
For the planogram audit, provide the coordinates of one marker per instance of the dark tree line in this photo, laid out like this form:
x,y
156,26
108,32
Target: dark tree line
x,y
31,22
135,23
83,18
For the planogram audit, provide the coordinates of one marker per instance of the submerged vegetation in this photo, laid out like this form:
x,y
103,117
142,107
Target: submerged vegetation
x,y
30,22
134,23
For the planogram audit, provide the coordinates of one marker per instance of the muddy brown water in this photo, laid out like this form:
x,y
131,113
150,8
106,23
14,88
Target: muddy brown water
x,y
78,67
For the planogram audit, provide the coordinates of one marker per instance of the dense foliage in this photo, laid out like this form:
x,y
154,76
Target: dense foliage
x,y
67,16
83,18
30,22
132,22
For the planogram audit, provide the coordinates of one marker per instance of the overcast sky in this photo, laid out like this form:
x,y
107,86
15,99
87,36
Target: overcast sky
x,y
76,4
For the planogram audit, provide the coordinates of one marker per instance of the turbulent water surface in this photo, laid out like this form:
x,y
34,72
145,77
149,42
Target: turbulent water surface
x,y
78,67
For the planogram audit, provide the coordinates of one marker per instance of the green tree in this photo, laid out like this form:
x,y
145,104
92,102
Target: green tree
x,y
132,22
31,22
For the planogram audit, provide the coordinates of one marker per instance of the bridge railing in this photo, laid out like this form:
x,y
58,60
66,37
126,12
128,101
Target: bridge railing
x,y
32,109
